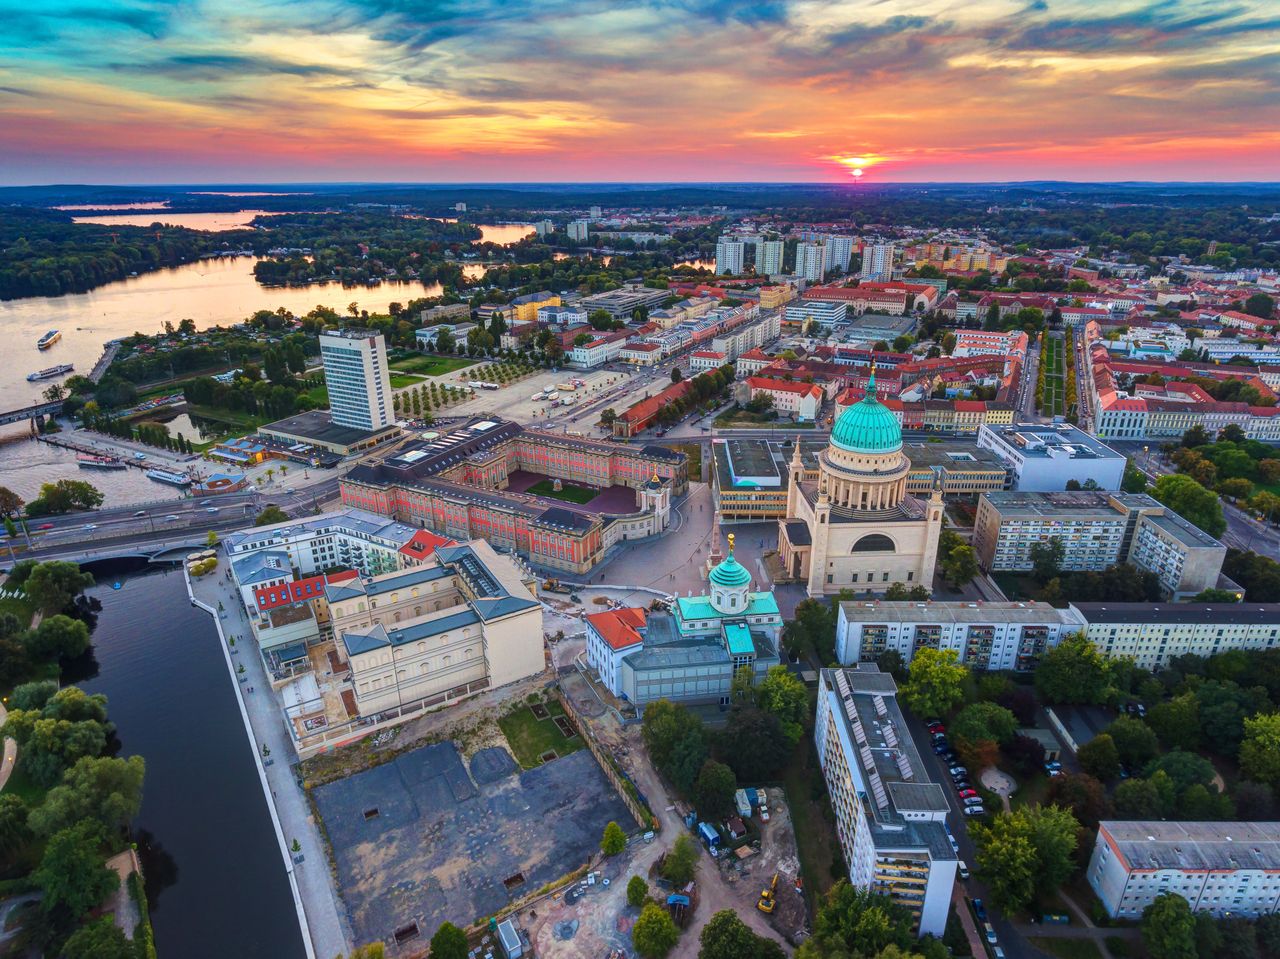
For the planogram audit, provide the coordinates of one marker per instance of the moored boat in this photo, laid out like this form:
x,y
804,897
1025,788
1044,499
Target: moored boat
x,y
168,476
49,372
91,461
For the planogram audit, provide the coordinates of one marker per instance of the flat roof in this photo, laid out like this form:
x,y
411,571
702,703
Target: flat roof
x,y
1050,441
1199,614
318,427
1152,844
926,611
1088,503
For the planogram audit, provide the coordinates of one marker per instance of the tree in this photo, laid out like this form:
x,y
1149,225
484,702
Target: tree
x,y
100,939
726,936
984,721
10,502
1177,722
272,514
1138,799
1072,672
665,724
1085,796
1134,481
1213,595
58,637
1169,928
754,743
1183,768
1260,305
1134,740
948,343
851,922
637,891
655,933
1191,501
449,942
53,585
681,861
960,566
1007,861
784,695
1260,749
1100,758
676,375
1025,754
614,839
72,873
104,789
13,822
713,792
935,682
1046,559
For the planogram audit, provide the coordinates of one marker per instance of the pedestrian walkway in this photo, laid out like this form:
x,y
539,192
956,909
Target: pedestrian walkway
x,y
10,751
321,914
976,943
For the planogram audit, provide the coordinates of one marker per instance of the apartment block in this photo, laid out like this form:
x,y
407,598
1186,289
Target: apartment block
x,y
1153,633
890,818
1222,868
358,379
983,635
1046,458
1098,530
730,255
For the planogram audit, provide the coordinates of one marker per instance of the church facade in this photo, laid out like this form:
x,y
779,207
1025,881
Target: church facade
x,y
856,527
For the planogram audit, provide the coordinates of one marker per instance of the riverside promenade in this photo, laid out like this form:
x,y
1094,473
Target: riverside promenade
x,y
321,914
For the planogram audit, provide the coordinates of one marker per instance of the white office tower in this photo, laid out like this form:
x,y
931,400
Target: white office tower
x,y
811,261
595,212
579,230
729,254
839,252
358,379
768,256
543,227
877,262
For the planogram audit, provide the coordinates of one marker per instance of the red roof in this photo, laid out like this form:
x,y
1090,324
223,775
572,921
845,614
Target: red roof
x,y
782,386
970,406
424,543
618,627
709,355
302,590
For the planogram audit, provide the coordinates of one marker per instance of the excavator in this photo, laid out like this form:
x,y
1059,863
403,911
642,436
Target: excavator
x,y
768,897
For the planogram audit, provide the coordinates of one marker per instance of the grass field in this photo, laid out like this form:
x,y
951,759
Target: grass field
x,y
20,607
431,365
530,737
570,493
400,380
1055,378
1068,948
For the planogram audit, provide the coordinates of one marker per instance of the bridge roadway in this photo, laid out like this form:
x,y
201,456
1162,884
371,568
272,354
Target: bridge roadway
x,y
29,412
144,530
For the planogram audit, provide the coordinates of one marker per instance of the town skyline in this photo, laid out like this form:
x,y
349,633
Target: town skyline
x,y
342,90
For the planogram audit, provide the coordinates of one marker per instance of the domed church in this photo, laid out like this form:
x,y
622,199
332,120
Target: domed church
x,y
855,527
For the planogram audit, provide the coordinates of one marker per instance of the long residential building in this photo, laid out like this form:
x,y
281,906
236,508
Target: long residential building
x,y
459,484
890,817
1153,633
1098,530
983,635
1222,868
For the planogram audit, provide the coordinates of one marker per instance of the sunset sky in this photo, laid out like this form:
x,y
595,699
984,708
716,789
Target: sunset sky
x,y
154,91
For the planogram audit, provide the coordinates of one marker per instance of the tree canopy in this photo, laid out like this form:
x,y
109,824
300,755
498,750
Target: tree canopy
x,y
935,682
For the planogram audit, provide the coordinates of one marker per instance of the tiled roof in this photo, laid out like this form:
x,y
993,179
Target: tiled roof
x,y
619,627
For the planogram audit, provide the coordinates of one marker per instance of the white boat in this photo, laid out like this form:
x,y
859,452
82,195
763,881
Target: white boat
x,y
91,461
49,372
49,339
168,476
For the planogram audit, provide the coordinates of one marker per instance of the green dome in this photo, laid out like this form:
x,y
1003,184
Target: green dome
x,y
867,426
730,573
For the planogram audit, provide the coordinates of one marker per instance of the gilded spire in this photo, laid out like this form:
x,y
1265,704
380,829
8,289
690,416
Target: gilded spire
x,y
730,544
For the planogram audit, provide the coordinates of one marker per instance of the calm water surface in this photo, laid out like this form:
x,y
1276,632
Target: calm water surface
x,y
214,869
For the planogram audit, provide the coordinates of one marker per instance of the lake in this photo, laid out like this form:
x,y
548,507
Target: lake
x,y
214,872
211,222
211,292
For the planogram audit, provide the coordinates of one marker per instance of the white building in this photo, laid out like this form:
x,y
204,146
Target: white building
x,y
821,312
1223,868
983,635
1047,458
729,255
1153,633
989,343
562,315
358,379
877,261
811,261
543,227
801,400
703,361
839,252
890,818
768,256
579,230
597,352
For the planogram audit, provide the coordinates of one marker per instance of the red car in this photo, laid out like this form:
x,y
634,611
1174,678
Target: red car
x,y
45,526
967,793
937,727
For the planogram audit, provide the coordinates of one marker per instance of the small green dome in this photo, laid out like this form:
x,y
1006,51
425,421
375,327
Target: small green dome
x,y
867,426
730,573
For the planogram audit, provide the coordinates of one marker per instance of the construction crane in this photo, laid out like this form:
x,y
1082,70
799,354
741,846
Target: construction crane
x,y
768,897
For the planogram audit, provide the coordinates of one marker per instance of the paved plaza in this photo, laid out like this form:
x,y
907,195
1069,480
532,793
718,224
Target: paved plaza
x,y
422,840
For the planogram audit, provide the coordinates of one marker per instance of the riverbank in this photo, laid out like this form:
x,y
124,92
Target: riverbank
x,y
319,908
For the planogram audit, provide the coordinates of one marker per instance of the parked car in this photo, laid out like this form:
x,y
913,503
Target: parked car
x,y
980,910
141,512
212,509
962,784
958,771
962,869
948,755
967,793
975,810
1052,764
973,801
941,747
1051,773
990,933
935,726
997,952
939,736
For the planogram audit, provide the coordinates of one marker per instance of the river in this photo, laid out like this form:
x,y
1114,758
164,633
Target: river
x,y
26,464
216,879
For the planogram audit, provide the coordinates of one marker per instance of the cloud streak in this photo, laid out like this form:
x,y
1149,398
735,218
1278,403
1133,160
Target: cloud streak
x,y
647,90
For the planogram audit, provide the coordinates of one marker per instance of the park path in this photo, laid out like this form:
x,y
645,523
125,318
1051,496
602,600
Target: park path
x,y
10,752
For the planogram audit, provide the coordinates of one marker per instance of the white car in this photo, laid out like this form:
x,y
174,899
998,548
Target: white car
x,y
974,811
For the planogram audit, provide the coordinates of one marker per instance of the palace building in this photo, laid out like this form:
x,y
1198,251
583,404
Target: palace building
x,y
856,526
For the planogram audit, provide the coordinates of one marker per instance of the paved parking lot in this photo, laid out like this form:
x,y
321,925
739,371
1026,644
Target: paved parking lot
x,y
421,840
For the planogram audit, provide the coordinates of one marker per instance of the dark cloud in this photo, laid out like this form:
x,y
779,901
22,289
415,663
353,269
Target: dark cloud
x,y
217,66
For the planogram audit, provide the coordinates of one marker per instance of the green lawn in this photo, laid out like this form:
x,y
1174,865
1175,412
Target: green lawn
x,y
20,784
530,737
400,380
812,821
570,493
1068,948
431,365
1030,792
20,606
